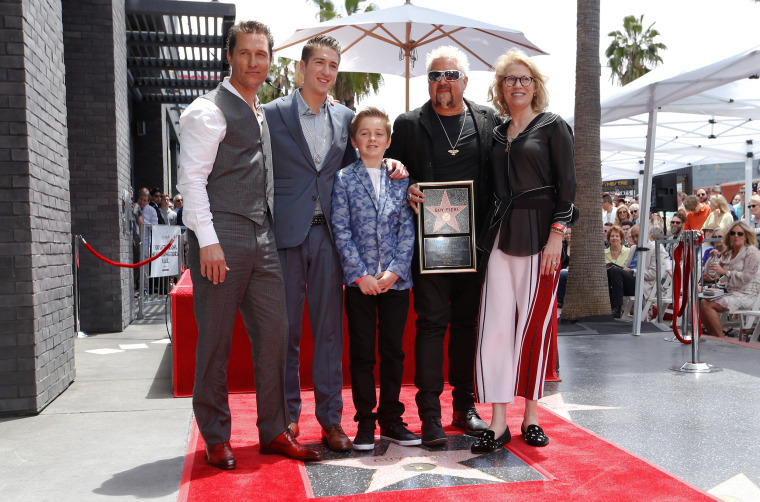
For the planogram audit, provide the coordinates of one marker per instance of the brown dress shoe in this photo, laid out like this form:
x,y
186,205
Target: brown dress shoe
x,y
293,426
220,455
335,439
286,444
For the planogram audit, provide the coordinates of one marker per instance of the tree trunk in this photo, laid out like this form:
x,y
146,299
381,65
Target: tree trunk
x,y
587,291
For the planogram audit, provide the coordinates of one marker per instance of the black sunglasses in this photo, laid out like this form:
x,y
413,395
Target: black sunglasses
x,y
752,205
740,234
449,75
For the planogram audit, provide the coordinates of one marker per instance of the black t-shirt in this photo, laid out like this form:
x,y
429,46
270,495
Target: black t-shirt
x,y
464,165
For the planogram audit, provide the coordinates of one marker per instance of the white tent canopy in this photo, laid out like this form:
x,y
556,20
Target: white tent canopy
x,y
705,116
695,116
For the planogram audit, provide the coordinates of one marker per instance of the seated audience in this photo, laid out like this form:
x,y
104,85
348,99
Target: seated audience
x,y
740,265
622,280
626,226
634,209
706,247
622,215
736,202
753,208
656,220
616,254
606,229
676,225
720,215
697,213
711,255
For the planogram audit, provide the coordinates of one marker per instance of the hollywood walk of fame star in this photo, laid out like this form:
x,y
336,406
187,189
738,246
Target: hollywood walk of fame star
x,y
403,462
445,213
557,404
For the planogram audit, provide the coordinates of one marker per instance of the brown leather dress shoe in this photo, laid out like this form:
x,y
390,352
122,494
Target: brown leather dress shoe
x,y
335,439
220,455
286,444
293,426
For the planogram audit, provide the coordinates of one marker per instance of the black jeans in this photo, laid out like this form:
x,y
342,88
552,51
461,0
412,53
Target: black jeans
x,y
384,315
622,283
445,301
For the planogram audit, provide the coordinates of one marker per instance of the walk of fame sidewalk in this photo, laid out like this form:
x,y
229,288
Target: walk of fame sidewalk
x,y
117,433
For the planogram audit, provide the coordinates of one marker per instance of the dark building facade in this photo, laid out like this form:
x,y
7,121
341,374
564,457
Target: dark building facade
x,y
86,97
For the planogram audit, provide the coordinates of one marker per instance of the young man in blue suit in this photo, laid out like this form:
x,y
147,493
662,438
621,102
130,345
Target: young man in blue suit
x,y
310,142
374,233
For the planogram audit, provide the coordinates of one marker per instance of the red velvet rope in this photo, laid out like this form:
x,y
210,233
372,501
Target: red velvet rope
x,y
128,265
678,288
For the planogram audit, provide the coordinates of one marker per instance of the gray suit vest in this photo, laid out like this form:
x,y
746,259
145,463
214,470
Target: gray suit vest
x,y
238,182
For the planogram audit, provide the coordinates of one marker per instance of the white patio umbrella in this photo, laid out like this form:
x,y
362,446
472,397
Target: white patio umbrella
x,y
396,40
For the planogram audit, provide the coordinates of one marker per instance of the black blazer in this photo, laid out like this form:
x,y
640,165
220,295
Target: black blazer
x,y
412,144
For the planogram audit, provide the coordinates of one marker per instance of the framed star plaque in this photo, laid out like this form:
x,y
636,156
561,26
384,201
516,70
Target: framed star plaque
x,y
446,227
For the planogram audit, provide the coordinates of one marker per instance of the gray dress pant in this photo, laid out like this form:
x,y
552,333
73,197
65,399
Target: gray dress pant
x,y
253,285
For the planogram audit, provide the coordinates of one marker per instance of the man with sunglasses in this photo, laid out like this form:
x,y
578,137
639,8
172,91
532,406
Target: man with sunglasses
x,y
446,139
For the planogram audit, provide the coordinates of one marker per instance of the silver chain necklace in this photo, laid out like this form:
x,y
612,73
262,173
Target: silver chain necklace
x,y
453,150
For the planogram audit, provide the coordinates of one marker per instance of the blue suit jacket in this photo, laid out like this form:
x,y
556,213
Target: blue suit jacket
x,y
368,231
297,184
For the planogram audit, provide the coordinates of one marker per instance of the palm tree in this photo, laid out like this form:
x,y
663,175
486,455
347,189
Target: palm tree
x,y
633,52
283,77
587,292
350,87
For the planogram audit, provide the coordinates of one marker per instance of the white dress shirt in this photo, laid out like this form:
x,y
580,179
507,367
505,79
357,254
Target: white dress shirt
x,y
202,128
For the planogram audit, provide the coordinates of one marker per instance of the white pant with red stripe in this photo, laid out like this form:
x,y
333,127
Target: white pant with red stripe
x,y
518,318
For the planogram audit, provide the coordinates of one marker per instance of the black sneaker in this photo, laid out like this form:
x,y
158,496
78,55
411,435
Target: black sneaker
x,y
470,421
399,434
365,436
616,313
432,432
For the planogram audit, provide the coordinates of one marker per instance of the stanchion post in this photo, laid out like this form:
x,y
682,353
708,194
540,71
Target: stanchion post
x,y
141,295
691,247
77,329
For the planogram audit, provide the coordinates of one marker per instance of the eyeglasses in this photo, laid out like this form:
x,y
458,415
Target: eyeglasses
x,y
732,233
634,211
752,205
701,195
511,80
449,75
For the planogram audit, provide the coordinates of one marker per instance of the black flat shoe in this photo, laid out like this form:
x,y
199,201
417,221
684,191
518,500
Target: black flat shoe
x,y
487,443
534,436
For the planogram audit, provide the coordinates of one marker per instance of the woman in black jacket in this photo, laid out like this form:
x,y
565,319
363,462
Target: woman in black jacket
x,y
533,178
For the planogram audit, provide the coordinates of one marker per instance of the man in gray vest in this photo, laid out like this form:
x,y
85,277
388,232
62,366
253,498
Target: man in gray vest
x,y
226,180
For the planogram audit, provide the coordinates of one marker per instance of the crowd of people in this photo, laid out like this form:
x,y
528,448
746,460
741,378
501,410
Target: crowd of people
x,y
731,264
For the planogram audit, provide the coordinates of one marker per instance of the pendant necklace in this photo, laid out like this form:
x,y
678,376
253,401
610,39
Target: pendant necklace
x,y
453,150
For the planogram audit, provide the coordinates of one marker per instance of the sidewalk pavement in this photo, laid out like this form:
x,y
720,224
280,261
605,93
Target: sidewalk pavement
x,y
116,433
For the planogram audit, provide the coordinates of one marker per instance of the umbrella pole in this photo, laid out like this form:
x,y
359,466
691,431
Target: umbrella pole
x,y
407,53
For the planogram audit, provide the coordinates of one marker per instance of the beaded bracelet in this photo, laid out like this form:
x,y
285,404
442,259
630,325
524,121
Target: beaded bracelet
x,y
557,231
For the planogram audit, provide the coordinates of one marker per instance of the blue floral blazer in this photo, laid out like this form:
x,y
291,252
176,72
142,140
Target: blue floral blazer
x,y
369,231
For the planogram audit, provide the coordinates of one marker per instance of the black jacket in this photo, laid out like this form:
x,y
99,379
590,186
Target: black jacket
x,y
412,144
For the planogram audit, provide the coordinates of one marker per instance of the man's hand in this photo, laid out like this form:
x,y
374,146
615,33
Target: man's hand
x,y
368,286
213,266
386,279
396,169
414,195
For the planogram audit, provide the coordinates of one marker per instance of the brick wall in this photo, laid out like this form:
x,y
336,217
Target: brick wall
x,y
36,302
99,156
